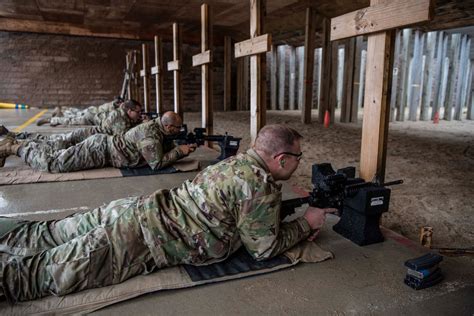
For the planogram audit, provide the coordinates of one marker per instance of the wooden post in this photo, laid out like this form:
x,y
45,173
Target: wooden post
x,y
146,78
281,76
204,59
273,77
333,80
136,75
227,73
130,74
300,58
359,72
175,66
256,47
381,15
157,71
326,71
349,57
316,78
470,100
310,29
292,79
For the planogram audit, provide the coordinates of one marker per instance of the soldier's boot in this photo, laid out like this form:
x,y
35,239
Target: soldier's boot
x,y
43,121
57,112
3,130
8,147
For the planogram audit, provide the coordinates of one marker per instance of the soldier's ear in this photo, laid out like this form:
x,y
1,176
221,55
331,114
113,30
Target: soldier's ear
x,y
282,162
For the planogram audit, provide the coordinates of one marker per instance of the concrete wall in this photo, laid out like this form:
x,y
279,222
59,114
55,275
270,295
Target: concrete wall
x,y
50,70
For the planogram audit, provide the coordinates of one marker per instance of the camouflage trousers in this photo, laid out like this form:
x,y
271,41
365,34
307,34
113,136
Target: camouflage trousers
x,y
102,247
65,140
85,117
77,112
57,156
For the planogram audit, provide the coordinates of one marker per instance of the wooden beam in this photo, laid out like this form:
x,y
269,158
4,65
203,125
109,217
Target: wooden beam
x,y
257,71
146,78
292,79
253,46
202,58
326,71
359,79
17,25
383,16
273,77
227,73
136,75
175,67
281,76
158,73
349,56
310,29
376,103
206,70
130,69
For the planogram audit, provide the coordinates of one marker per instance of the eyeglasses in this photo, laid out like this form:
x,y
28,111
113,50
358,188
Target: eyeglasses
x,y
298,156
137,111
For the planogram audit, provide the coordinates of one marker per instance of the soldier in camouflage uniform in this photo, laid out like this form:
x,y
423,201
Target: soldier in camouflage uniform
x,y
111,122
233,203
142,145
90,111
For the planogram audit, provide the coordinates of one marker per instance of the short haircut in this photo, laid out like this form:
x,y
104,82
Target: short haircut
x,y
276,138
170,118
131,105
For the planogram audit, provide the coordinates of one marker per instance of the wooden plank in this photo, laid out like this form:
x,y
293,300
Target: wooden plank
x,y
381,17
316,78
129,67
466,89
333,81
326,71
173,65
444,85
281,76
470,101
273,77
461,78
349,57
310,29
227,73
253,46
440,56
358,80
376,111
300,54
240,84
257,70
453,76
136,75
202,58
17,25
206,70
246,83
146,79
156,71
177,82
292,78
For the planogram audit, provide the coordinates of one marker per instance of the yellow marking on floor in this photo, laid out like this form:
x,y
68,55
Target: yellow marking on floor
x,y
31,120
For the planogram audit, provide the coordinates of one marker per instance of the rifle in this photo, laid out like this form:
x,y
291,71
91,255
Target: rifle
x,y
360,204
229,145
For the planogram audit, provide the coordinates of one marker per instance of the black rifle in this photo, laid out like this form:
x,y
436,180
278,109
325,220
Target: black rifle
x,y
229,145
360,203
150,115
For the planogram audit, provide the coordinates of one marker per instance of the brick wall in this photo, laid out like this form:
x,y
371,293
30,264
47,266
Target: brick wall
x,y
50,70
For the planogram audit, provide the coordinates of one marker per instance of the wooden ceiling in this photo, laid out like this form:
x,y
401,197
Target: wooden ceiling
x,y
142,19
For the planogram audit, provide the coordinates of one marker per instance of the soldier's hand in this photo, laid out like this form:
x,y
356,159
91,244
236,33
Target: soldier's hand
x,y
316,217
186,149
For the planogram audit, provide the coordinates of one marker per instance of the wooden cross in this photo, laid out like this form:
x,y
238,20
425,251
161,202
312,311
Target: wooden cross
x,y
146,78
158,73
204,60
256,47
382,15
175,67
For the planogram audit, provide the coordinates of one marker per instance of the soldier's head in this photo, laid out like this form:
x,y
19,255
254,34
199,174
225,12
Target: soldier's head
x,y
171,122
280,148
133,109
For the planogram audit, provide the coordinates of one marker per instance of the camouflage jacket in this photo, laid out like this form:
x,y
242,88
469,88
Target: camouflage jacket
x,y
113,122
228,204
143,145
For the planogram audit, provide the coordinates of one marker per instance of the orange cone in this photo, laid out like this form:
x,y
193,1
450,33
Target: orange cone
x,y
436,118
326,119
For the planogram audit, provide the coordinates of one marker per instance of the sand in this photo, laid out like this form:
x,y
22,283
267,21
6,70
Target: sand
x,y
436,162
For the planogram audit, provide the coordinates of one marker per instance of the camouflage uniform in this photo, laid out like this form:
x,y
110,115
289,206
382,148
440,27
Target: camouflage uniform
x,y
141,145
110,122
89,112
235,202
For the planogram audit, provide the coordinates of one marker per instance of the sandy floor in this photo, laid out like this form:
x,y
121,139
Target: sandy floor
x,y
436,162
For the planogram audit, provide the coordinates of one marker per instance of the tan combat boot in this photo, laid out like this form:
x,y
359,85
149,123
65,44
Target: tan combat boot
x,y
57,112
43,121
8,147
